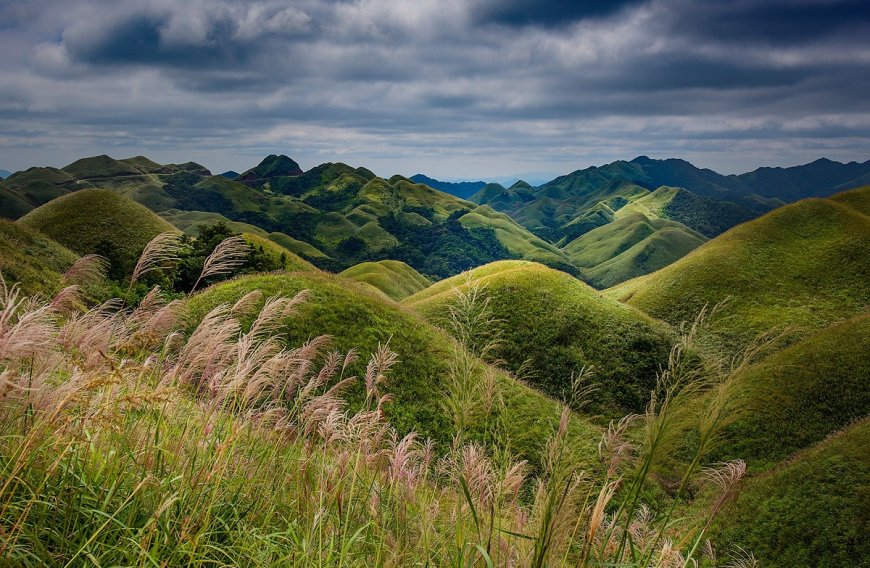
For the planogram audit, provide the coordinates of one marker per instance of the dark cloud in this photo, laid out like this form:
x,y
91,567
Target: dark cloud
x,y
471,86
547,13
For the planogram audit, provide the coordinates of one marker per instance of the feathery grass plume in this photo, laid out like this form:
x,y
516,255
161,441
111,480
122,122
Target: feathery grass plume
x,y
27,325
471,321
68,299
161,253
231,253
88,270
742,559
581,388
246,303
376,370
274,311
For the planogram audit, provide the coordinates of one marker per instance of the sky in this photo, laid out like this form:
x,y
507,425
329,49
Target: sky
x,y
456,89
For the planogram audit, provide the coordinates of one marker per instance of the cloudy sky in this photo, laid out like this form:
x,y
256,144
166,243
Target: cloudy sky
x,y
452,88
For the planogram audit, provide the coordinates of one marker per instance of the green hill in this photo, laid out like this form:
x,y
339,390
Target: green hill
x,y
296,246
99,221
797,396
32,259
356,317
812,511
276,252
101,167
553,325
392,277
630,246
804,265
648,255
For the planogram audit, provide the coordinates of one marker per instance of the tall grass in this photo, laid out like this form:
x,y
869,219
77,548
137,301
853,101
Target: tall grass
x,y
124,443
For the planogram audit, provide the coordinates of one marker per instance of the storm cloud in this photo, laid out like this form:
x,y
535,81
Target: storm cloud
x,y
453,88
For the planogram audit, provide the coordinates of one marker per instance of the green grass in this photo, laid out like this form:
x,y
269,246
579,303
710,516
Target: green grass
x,y
296,246
812,511
100,167
357,318
275,251
188,221
375,237
553,325
515,238
797,396
630,246
804,265
653,252
32,259
394,278
99,221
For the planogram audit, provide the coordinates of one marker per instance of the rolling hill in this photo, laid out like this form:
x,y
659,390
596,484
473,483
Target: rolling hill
x,y
394,278
99,221
32,259
812,510
462,189
796,397
358,318
630,246
552,326
804,265
334,215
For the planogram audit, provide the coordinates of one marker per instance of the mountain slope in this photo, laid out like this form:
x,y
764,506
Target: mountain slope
x,y
796,397
812,511
358,318
553,325
99,221
462,189
392,277
804,265
31,259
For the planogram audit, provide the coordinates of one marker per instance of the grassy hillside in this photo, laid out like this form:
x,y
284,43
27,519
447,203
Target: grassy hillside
x,y
553,325
99,221
804,265
392,277
290,260
655,251
630,246
101,167
796,397
813,510
31,259
355,317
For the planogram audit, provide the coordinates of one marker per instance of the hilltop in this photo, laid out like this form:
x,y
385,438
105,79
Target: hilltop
x,y
99,221
803,265
392,277
553,326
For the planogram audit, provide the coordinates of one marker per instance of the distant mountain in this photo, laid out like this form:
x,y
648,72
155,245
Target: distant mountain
x,y
704,200
333,215
802,266
5,174
230,174
272,166
462,189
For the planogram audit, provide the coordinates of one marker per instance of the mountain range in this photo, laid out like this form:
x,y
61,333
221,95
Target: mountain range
x,y
603,224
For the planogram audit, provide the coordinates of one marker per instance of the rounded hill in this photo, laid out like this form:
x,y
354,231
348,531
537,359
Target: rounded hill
x,y
32,259
804,265
357,317
99,221
553,325
392,277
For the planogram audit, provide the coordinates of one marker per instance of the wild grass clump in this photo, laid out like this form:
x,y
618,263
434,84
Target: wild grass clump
x,y
125,442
